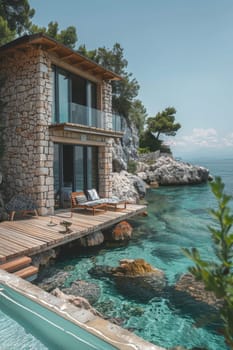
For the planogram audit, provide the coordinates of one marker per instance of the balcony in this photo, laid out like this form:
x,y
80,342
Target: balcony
x,y
91,117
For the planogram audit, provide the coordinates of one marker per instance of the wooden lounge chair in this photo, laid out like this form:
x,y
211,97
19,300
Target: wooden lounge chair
x,y
80,201
21,204
112,202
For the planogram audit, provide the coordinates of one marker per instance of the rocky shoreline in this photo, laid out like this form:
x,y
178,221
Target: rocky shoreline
x,y
155,171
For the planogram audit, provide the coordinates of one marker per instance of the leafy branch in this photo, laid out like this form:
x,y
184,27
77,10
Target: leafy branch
x,y
217,275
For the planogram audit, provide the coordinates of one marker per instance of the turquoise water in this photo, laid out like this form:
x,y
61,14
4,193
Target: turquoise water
x,y
177,217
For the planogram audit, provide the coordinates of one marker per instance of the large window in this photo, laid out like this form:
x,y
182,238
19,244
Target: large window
x,y
74,98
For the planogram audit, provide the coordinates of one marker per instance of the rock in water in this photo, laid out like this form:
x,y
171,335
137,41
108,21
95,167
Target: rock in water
x,y
133,278
95,238
57,280
138,279
122,231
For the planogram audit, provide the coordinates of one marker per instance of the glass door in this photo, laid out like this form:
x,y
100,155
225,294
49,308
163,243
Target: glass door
x,y
92,167
79,175
75,169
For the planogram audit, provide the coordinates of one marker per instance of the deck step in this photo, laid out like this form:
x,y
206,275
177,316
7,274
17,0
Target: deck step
x,y
27,272
16,264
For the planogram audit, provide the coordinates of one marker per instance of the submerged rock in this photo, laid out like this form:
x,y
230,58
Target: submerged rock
x,y
196,290
57,280
87,290
101,271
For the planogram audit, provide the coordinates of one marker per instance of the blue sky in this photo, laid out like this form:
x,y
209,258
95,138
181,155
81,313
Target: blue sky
x,y
180,51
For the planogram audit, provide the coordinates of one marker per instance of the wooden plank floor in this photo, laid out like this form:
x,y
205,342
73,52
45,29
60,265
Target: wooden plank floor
x,y
34,235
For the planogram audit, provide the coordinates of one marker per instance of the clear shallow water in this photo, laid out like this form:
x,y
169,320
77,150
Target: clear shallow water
x,y
177,217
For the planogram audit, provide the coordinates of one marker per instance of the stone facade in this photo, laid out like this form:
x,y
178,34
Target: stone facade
x,y
107,104
28,159
29,139
105,153
105,170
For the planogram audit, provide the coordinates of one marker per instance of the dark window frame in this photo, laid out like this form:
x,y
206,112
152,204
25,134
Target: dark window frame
x,y
94,92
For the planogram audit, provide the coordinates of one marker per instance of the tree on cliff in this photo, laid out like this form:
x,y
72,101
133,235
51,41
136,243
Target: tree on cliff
x,y
217,274
162,123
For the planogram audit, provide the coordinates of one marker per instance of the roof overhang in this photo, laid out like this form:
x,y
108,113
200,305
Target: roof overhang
x,y
62,52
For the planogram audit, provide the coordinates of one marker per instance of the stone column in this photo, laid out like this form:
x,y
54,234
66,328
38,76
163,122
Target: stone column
x,y
105,169
107,104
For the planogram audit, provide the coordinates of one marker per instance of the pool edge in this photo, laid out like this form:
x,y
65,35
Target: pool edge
x,y
113,334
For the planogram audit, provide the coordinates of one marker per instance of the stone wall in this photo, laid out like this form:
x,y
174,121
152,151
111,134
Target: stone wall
x,y
28,159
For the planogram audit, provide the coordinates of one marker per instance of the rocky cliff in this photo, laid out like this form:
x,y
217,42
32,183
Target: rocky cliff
x,y
168,171
125,149
150,169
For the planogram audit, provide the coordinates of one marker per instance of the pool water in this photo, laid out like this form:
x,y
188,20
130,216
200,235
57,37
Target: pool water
x,y
14,336
25,324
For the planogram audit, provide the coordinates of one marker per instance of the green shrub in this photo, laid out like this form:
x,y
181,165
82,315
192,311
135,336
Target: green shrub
x,y
132,166
143,150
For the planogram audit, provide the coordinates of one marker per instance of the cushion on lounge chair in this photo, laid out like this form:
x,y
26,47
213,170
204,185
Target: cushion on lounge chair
x,y
92,194
81,199
94,203
114,200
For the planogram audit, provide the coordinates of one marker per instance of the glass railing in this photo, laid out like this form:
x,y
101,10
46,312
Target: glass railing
x,y
84,115
92,117
117,122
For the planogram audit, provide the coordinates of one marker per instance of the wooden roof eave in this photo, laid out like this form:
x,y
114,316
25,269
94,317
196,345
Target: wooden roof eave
x,y
63,53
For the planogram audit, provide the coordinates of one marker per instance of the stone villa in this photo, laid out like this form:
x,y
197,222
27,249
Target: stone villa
x,y
59,125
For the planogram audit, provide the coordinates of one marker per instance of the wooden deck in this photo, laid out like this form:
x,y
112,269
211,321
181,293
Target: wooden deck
x,y
34,235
